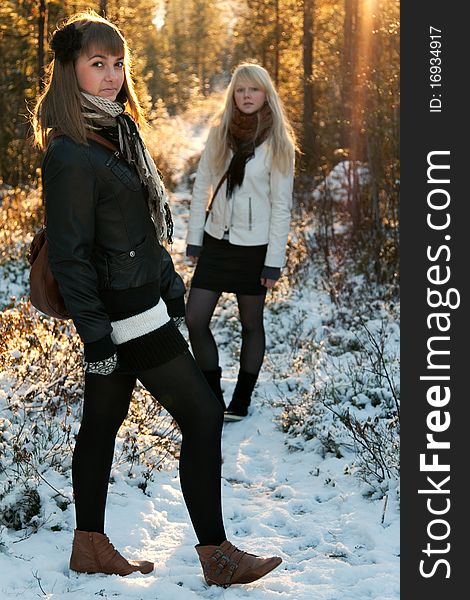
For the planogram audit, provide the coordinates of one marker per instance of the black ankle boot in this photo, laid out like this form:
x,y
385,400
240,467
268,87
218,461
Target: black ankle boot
x,y
238,407
213,379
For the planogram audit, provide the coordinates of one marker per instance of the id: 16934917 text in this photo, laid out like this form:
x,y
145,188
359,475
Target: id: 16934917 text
x,y
435,69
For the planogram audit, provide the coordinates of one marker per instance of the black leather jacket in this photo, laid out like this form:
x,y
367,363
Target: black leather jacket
x,y
100,233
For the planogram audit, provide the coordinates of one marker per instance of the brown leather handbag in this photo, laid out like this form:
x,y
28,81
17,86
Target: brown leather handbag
x,y
44,292
43,289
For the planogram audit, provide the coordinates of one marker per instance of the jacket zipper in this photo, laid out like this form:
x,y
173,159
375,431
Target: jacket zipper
x,y
108,275
249,215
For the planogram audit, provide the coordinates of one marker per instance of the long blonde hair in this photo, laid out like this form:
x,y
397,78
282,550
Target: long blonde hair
x,y
281,140
59,106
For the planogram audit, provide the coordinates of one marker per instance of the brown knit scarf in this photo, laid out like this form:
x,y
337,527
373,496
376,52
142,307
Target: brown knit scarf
x,y
246,132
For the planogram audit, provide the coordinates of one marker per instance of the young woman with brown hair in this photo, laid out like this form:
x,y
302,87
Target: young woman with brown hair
x,y
107,216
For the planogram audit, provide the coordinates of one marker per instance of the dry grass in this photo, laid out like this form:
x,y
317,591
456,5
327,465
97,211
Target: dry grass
x,y
21,214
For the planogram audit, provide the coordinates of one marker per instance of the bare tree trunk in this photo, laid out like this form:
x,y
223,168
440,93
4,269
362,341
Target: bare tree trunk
x,y
277,43
349,65
351,101
346,74
307,46
42,26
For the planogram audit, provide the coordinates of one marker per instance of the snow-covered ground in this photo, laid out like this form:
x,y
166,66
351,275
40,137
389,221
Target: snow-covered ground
x,y
295,504
282,495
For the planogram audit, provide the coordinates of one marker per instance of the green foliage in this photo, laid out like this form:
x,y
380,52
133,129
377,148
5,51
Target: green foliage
x,y
18,86
190,53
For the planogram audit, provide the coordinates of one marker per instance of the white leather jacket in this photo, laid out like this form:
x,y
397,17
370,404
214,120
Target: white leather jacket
x,y
258,212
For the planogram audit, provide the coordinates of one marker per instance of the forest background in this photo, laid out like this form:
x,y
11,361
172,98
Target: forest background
x,y
334,62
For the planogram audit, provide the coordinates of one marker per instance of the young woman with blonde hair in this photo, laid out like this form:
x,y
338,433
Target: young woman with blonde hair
x,y
239,224
107,216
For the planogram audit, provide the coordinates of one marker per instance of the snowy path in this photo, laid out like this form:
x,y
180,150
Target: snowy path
x,y
294,504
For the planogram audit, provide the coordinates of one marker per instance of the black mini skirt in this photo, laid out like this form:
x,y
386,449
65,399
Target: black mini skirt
x,y
226,267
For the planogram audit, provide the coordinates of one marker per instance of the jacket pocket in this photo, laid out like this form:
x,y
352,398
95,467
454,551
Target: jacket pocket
x,y
124,172
102,269
125,269
242,215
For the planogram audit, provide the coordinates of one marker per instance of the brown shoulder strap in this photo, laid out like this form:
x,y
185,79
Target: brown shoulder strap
x,y
91,135
219,185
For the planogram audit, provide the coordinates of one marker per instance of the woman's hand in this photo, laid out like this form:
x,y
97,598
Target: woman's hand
x,y
193,260
269,283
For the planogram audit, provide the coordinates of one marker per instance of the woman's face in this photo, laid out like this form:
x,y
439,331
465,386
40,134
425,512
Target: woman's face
x,y
100,74
248,96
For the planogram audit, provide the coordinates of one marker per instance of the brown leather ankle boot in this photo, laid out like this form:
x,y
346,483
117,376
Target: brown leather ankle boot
x,y
226,565
92,552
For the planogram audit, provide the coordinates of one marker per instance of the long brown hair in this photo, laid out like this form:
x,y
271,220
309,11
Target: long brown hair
x,y
59,106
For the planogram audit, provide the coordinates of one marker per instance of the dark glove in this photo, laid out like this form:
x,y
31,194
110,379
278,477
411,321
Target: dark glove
x,y
192,250
271,273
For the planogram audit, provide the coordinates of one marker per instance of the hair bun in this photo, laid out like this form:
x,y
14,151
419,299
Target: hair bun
x,y
66,43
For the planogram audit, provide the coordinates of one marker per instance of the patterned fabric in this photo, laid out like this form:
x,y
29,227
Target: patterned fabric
x,y
108,114
102,367
178,321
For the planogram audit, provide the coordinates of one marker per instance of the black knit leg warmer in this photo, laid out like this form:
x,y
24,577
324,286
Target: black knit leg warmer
x,y
238,407
213,379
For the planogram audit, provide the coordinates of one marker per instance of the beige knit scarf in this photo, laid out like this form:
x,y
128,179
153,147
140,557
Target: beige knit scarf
x,y
106,113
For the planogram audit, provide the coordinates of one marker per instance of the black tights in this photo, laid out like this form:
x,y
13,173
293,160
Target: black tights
x,y
180,387
199,310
